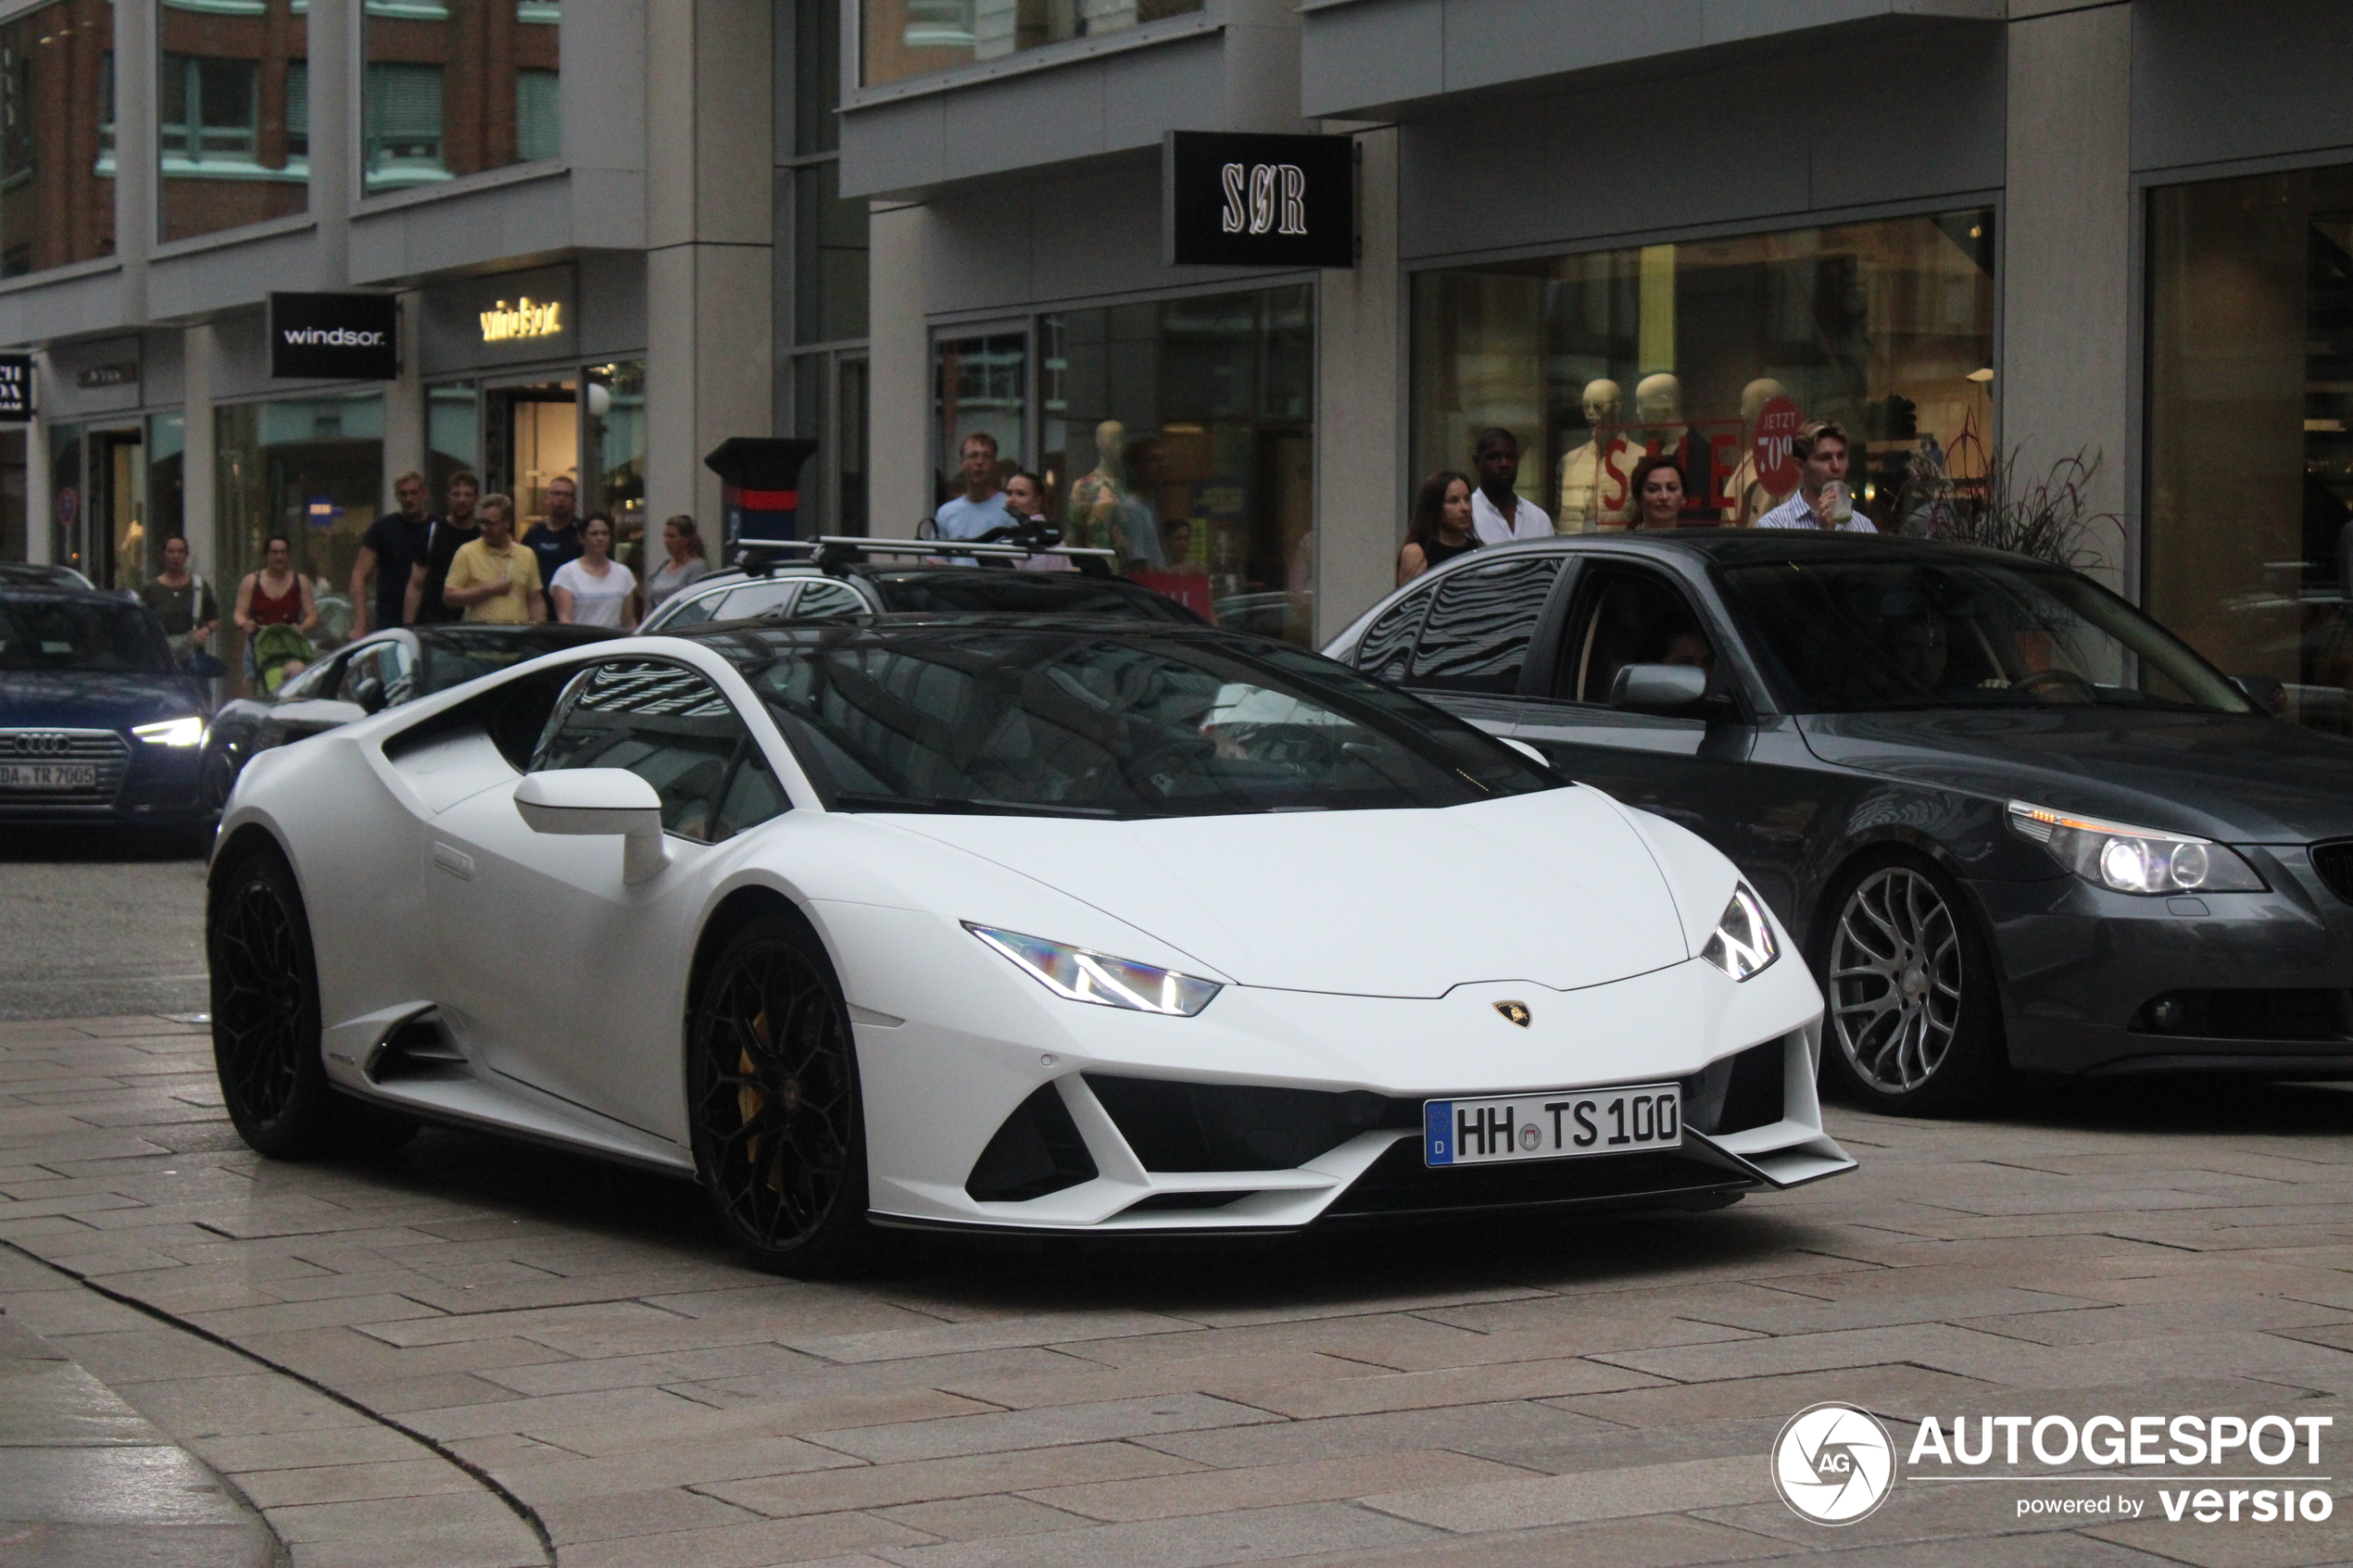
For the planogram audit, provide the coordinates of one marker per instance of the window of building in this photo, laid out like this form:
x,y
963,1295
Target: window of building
x,y
310,468
904,38
57,188
821,248
980,387
1596,359
2249,541
457,87
233,118
1180,433
615,442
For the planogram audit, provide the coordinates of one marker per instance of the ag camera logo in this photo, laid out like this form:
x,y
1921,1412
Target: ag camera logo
x,y
1833,1463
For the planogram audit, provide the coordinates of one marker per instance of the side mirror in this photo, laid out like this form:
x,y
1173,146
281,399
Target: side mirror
x,y
1526,750
2264,692
596,801
1659,688
371,695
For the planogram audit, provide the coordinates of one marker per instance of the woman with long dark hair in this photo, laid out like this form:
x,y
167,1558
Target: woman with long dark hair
x,y
1659,492
1441,525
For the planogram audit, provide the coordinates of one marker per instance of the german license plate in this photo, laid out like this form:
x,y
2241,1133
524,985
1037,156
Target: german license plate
x,y
49,775
1560,1125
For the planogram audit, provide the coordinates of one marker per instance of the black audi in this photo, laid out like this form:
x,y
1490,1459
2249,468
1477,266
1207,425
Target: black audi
x,y
2016,823
98,723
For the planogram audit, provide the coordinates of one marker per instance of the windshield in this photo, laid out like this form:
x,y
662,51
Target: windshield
x,y
455,655
1861,635
1027,593
72,633
978,718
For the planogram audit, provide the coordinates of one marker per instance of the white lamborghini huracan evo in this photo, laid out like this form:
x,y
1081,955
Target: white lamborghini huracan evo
x,y
1042,924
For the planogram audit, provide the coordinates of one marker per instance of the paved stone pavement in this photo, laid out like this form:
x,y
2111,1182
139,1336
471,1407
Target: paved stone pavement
x,y
435,1357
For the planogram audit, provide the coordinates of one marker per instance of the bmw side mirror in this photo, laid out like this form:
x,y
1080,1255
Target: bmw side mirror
x,y
2264,692
596,801
1659,688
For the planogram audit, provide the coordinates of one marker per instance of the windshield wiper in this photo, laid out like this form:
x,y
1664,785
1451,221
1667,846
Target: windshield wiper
x,y
876,800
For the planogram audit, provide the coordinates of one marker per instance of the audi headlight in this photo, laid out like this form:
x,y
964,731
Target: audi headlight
x,y
171,732
1743,943
2134,859
1081,974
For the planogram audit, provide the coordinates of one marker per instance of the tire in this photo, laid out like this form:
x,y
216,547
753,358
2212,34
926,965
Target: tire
x,y
1912,1022
265,1022
778,1122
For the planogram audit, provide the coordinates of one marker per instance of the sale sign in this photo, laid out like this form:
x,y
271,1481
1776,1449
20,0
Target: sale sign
x,y
1774,451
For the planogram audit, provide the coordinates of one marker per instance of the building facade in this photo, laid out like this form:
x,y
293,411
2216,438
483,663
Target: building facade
x,y
1988,237
596,219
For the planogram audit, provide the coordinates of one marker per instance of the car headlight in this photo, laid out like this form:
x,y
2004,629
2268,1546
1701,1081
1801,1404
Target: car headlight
x,y
2134,859
171,732
1743,943
1081,974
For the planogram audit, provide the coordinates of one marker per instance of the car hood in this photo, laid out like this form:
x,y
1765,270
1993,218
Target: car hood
x,y
1553,889
2241,778
77,699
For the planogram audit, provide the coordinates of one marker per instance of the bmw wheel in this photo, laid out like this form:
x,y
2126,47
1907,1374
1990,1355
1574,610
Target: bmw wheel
x,y
264,1022
1912,1024
779,1128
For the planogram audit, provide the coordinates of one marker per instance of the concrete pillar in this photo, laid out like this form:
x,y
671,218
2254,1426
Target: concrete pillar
x,y
2063,376
898,365
710,289
1362,488
1261,59
39,525
405,406
333,43
135,178
199,470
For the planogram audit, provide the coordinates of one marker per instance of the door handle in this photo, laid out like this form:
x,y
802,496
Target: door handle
x,y
454,862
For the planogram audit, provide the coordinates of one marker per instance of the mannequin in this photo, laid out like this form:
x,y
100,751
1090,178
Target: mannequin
x,y
1097,495
1583,468
1750,499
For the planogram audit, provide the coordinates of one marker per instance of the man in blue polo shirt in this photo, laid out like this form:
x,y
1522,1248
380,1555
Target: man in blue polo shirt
x,y
982,506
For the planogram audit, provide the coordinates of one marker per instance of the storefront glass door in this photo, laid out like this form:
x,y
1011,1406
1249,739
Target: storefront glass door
x,y
531,436
116,538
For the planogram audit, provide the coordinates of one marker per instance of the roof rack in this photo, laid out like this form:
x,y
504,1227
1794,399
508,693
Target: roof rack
x,y
831,553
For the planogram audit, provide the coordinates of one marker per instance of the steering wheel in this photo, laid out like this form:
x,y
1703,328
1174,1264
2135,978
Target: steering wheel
x,y
2082,689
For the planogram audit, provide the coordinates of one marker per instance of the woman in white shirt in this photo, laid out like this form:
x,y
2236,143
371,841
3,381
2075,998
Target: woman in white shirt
x,y
595,590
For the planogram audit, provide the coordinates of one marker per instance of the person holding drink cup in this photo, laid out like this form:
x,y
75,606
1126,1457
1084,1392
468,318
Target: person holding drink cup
x,y
1822,500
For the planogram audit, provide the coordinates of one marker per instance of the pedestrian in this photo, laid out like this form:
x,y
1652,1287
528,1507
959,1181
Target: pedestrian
x,y
555,540
977,510
450,532
1659,492
275,595
1441,526
686,564
389,552
595,590
1026,508
1822,501
493,578
1499,513
184,602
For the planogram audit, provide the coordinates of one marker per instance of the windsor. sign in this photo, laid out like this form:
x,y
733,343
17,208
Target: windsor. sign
x,y
1239,200
334,336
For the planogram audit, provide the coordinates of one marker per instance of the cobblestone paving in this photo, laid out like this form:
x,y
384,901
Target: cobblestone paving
x,y
469,1333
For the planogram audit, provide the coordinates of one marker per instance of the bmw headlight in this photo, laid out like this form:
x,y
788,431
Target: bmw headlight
x,y
171,732
1081,974
1743,943
2134,859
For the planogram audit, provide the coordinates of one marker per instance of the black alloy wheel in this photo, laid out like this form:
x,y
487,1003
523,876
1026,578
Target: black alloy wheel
x,y
264,1022
779,1128
1911,1019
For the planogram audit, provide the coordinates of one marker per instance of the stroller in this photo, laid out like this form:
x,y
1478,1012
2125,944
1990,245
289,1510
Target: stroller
x,y
279,653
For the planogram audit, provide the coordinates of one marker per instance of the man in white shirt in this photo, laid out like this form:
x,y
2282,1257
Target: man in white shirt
x,y
1820,449
1499,513
981,507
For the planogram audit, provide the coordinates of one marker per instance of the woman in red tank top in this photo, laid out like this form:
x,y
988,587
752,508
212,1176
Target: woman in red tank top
x,y
277,594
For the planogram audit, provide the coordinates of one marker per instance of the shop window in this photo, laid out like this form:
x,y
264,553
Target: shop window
x,y
829,257
14,536
453,437
1180,434
906,37
310,468
615,442
232,118
457,88
56,193
1594,360
981,387
2249,543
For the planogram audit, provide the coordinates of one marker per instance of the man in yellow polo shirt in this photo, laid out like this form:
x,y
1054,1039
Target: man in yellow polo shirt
x,y
493,578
